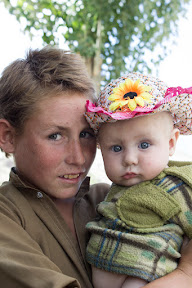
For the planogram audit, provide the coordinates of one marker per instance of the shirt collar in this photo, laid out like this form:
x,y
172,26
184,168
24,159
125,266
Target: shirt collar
x,y
20,182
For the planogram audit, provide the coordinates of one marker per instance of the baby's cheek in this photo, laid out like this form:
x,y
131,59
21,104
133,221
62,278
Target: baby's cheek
x,y
151,169
149,163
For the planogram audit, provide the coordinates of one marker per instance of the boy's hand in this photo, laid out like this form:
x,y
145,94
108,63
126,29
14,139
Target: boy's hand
x,y
185,263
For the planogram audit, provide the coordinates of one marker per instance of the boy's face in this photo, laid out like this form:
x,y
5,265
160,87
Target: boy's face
x,y
138,149
57,146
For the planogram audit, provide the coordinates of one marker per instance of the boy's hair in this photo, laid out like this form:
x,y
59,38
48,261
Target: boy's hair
x,y
43,73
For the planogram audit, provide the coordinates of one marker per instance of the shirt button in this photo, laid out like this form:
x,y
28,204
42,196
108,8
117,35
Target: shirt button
x,y
39,194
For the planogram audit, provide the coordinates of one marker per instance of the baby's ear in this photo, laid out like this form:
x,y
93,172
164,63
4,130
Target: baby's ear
x,y
173,141
7,133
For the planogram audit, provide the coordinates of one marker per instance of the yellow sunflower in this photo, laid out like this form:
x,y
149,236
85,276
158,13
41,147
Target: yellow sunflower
x,y
129,94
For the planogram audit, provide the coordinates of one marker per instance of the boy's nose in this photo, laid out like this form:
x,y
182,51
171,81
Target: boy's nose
x,y
75,153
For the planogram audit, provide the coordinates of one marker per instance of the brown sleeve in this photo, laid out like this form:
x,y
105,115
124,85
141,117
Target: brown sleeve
x,y
22,262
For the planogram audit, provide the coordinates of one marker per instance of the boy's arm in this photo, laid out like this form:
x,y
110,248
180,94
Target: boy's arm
x,y
182,276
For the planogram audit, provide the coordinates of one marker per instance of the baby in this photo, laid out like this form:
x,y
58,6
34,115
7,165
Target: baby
x,y
139,232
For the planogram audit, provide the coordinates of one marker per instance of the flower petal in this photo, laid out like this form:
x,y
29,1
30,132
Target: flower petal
x,y
132,104
146,96
123,88
141,95
128,82
115,90
113,97
114,105
136,84
123,103
147,88
139,101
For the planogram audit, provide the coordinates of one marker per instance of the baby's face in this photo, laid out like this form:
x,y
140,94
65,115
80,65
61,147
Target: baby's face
x,y
138,149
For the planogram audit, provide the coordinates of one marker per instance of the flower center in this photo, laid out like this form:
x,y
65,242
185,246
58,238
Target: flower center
x,y
130,95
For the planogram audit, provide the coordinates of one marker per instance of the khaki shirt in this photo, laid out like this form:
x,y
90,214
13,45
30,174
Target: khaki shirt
x,y
37,248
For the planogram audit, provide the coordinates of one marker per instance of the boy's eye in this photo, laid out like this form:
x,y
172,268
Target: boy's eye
x,y
116,148
55,136
86,134
144,145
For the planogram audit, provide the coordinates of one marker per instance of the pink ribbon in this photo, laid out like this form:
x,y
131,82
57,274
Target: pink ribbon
x,y
170,93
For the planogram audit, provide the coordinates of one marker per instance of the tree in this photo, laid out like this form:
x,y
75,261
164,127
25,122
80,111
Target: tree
x,y
111,35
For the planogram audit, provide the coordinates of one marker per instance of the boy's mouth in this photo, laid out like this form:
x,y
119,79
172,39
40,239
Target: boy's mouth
x,y
70,176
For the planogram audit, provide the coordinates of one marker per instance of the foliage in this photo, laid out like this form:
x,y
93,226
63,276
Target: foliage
x,y
112,34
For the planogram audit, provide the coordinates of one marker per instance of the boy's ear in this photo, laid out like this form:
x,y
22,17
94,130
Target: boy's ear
x,y
173,141
7,133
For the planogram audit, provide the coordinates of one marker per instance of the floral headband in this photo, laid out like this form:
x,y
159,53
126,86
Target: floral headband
x,y
135,95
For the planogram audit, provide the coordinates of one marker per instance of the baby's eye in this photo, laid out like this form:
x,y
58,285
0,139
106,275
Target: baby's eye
x,y
144,145
116,148
87,134
55,136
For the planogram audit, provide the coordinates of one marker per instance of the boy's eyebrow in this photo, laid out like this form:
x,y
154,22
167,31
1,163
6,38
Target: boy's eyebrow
x,y
55,127
65,128
61,127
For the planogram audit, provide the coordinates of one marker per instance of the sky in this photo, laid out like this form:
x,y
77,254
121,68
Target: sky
x,y
175,69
